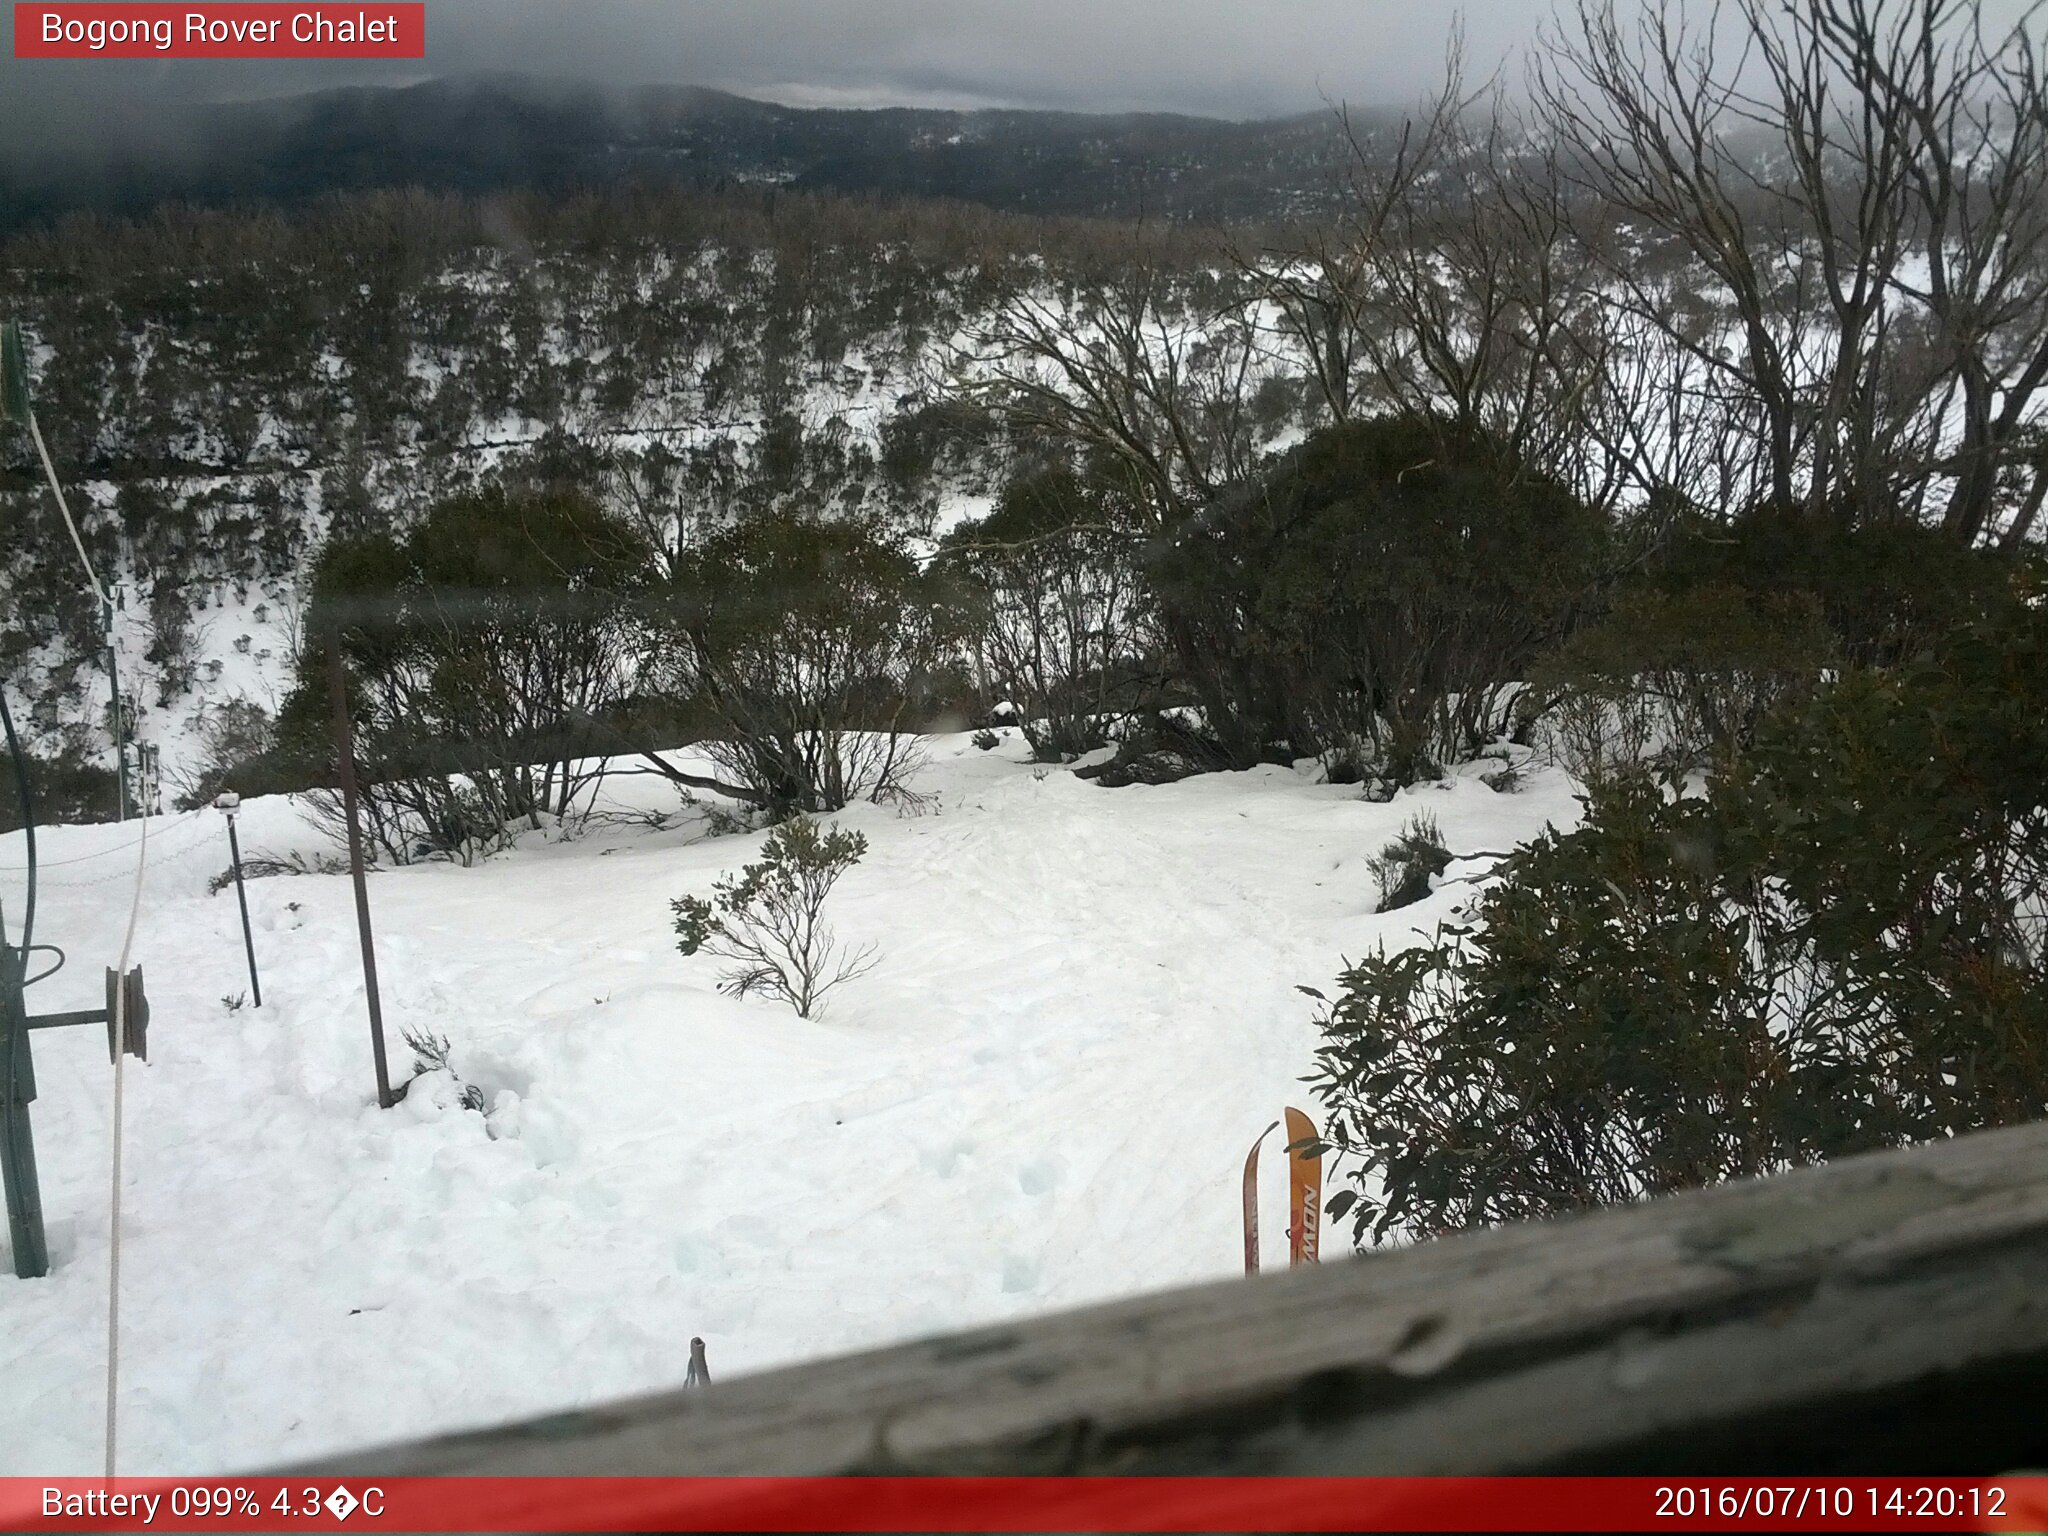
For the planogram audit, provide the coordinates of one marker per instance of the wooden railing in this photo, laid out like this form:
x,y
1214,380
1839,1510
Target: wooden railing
x,y
1886,1313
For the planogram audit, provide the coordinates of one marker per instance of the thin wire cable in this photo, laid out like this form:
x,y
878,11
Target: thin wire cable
x,y
120,1057
56,490
87,858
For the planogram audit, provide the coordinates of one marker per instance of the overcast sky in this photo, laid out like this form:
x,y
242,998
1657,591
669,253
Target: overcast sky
x,y
1228,57
1224,57
1231,58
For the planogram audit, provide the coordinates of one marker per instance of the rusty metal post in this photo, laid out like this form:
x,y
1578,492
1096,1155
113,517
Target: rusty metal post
x,y
345,765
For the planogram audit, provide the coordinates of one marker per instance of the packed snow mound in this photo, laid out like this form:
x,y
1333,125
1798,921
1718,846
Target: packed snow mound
x,y
1084,1010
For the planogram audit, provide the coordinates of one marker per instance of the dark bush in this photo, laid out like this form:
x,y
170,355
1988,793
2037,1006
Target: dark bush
x,y
1378,597
66,790
1408,867
1884,591
1688,674
1061,628
235,737
480,647
808,644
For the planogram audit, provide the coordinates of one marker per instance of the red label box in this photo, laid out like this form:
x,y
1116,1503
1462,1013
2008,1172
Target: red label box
x,y
158,1507
364,29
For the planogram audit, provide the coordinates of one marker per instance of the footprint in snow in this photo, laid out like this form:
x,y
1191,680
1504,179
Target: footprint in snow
x,y
943,1158
1038,1176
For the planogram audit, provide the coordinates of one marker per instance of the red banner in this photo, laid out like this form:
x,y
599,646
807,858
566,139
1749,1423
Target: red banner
x,y
109,29
946,1504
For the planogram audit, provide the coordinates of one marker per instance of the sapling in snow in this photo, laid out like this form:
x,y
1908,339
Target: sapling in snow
x,y
430,1053
765,920
1408,867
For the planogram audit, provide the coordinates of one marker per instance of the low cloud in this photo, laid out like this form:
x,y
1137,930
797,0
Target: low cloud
x,y
1230,58
1214,57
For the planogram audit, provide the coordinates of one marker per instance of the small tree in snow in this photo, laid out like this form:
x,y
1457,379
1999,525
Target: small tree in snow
x,y
1408,867
431,1053
766,920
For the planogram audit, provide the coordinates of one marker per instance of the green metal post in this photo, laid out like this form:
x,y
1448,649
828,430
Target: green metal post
x,y
17,1145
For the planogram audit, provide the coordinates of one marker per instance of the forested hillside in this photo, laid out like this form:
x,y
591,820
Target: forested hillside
x,y
507,133
226,390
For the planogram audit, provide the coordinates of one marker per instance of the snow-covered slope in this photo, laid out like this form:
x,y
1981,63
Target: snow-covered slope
x,y
1084,1011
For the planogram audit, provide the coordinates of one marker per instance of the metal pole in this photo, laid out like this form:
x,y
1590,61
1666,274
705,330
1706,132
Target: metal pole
x,y
17,1066
345,765
242,897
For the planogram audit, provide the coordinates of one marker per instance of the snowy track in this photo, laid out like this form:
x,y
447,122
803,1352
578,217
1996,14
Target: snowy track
x,y
1083,1012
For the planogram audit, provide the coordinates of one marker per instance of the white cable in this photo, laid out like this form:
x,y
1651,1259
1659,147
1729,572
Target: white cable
x,y
120,1007
120,1056
57,491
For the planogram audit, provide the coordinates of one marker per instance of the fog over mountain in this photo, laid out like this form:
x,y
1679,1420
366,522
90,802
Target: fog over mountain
x,y
1206,57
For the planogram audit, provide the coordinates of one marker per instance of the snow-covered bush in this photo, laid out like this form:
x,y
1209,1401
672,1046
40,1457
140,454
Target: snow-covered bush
x,y
430,1054
767,921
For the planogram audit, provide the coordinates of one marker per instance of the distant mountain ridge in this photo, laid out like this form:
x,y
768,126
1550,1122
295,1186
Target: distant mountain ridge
x,y
491,133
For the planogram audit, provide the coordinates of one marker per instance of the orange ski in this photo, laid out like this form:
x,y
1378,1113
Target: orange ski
x,y
1251,1202
1304,1189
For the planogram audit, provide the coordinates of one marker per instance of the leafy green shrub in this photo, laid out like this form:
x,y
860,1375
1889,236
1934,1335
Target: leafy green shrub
x,y
1407,866
1841,945
766,922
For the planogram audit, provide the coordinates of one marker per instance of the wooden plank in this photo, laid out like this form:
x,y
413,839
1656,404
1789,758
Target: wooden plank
x,y
1887,1311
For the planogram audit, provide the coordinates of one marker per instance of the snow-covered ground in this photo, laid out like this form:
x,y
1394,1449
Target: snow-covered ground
x,y
1084,1011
